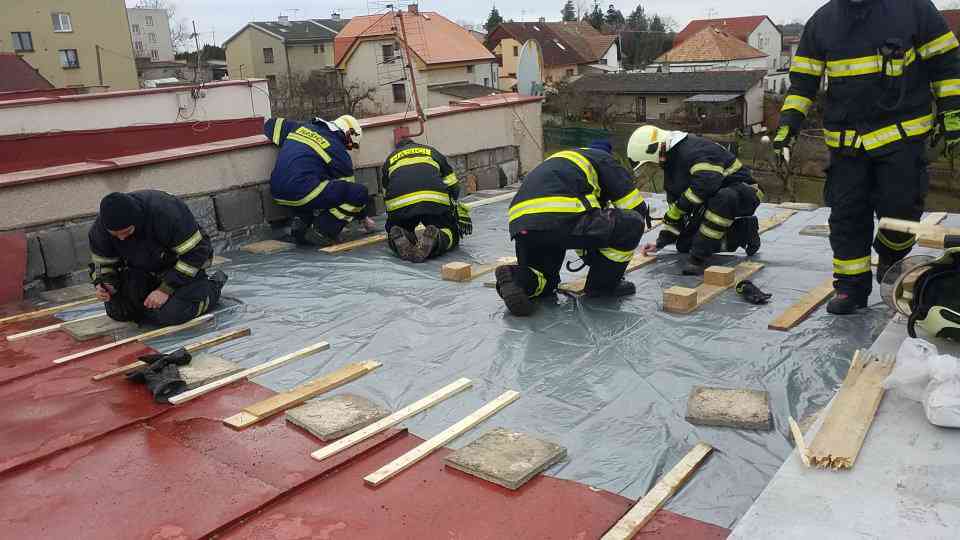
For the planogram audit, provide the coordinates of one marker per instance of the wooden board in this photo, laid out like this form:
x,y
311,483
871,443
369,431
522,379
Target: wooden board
x,y
252,372
776,220
475,270
425,448
706,293
141,337
642,512
816,230
802,449
851,413
30,315
267,247
192,348
803,308
410,410
52,327
800,206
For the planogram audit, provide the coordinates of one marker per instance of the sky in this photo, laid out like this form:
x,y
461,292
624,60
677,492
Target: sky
x,y
219,19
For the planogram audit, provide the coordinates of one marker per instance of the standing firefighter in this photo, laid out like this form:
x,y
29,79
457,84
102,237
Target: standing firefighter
x,y
422,188
314,176
577,199
711,194
149,257
885,62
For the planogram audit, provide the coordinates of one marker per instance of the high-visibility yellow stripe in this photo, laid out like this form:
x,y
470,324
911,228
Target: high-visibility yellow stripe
x,y
946,42
896,66
883,136
340,215
347,207
203,306
277,131
306,199
406,162
718,219
851,267
918,126
710,232
451,179
103,270
946,88
541,282
296,136
188,244
584,165
675,213
670,228
550,205
449,234
896,246
797,103
734,167
617,255
402,201
630,200
347,179
186,269
706,167
692,197
832,138
97,259
807,66
851,67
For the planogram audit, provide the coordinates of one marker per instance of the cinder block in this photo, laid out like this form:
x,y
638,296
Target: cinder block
x,y
480,159
336,416
94,328
204,212
272,211
35,265
68,294
58,252
81,243
509,173
205,368
736,408
720,276
267,247
488,178
456,271
679,299
505,457
238,209
369,177
506,153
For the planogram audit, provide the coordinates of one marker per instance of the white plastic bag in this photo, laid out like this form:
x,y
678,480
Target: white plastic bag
x,y
942,402
911,374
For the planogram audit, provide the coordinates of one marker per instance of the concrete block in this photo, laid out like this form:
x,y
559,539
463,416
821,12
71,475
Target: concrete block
x,y
369,177
679,299
456,271
58,252
720,276
267,247
68,294
101,326
205,368
741,408
35,265
459,163
80,234
336,416
477,160
509,173
204,212
506,153
488,178
505,457
272,211
238,209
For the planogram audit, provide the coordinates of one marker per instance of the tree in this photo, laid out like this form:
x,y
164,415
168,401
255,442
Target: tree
x,y
209,52
614,18
569,12
355,94
657,25
595,18
179,35
638,20
493,20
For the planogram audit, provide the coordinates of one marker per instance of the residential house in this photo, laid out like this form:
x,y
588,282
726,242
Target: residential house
x,y
72,42
696,101
272,49
757,31
789,50
19,76
150,30
710,49
568,49
369,54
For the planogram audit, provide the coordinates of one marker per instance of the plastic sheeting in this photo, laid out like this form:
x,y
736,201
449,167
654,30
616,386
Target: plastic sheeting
x,y
607,379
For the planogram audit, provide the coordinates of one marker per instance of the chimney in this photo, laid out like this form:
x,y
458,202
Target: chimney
x,y
413,9
335,16
283,20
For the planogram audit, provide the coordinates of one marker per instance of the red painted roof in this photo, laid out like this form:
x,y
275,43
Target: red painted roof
x,y
19,75
710,45
738,27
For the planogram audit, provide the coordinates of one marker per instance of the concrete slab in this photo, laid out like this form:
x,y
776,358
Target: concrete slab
x,y
267,247
58,252
204,368
336,416
94,328
506,458
238,209
35,265
204,212
68,294
723,407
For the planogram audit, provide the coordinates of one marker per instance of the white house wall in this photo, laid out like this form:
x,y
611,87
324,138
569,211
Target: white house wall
x,y
612,56
767,38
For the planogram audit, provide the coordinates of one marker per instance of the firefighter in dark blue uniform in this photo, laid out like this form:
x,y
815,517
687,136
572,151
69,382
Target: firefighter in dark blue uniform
x,y
885,61
149,260
577,199
314,176
422,188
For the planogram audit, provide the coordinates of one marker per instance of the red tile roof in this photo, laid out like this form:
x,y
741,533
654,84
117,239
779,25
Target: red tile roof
x,y
710,45
562,44
738,27
19,75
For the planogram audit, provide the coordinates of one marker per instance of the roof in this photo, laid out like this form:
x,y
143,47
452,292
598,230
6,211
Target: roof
x,y
465,90
695,82
562,44
19,75
585,38
711,98
309,31
953,18
738,27
710,45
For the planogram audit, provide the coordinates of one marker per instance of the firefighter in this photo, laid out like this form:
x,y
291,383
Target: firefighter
x,y
885,62
422,188
577,199
712,196
149,259
314,176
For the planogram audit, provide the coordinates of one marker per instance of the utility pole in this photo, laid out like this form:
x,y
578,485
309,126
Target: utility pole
x,y
196,38
99,65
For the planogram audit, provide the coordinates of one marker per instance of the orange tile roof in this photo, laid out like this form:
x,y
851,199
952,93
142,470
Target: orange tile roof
x,y
710,45
433,38
738,27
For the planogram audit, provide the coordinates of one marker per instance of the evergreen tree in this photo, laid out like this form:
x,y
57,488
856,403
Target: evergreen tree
x,y
656,24
595,18
638,20
569,12
614,18
493,21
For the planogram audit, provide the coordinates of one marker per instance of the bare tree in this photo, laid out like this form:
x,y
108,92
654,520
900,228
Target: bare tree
x,y
178,28
356,94
565,100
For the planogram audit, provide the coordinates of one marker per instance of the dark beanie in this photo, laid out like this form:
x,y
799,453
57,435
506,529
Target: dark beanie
x,y
119,211
602,144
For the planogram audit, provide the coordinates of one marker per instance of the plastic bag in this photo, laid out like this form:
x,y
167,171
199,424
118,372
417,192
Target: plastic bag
x,y
911,374
921,374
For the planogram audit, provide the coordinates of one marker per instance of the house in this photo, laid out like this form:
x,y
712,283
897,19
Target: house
x,y
369,54
569,50
72,42
789,50
19,76
150,30
757,31
710,49
697,101
281,48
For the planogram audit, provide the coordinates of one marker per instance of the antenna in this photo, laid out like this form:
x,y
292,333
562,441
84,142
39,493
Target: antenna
x,y
712,13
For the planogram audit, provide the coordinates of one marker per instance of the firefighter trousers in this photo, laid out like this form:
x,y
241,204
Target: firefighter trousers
x,y
719,227
338,204
860,187
449,233
187,302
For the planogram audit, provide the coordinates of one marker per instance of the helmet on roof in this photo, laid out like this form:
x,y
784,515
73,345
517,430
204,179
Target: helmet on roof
x,y
647,144
350,126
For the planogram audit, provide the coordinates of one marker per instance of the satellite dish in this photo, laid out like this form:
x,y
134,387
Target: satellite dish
x,y
530,70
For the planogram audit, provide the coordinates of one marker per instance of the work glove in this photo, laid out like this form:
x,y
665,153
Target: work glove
x,y
179,357
751,293
783,141
760,194
464,223
949,129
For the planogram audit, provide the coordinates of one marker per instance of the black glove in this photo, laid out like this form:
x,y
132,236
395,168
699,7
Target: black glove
x,y
751,293
179,357
165,383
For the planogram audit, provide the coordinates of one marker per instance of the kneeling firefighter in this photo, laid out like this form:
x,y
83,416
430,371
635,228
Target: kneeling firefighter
x,y
577,199
712,196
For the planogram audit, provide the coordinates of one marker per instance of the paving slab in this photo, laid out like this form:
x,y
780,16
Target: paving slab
x,y
507,458
68,294
94,328
336,416
726,407
205,367
267,247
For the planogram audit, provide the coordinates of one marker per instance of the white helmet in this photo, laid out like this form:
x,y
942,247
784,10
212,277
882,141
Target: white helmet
x,y
350,127
646,144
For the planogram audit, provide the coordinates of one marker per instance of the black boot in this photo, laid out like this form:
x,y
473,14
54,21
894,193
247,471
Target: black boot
x,y
623,288
695,266
298,230
401,240
753,236
844,303
219,279
882,268
512,292
428,241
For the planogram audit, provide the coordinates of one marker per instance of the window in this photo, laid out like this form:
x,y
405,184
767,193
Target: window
x,y
148,20
267,55
399,93
138,45
68,59
152,37
154,55
663,100
663,116
136,29
387,51
316,49
570,72
322,48
516,51
486,81
61,22
22,41
469,69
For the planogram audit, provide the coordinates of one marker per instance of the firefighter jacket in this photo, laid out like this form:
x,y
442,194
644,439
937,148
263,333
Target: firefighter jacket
x,y
310,156
568,184
885,61
168,243
418,181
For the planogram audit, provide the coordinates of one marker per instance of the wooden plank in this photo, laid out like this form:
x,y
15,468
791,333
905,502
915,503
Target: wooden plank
x,y
443,438
36,314
410,410
934,218
928,234
800,206
802,449
145,336
298,395
668,485
706,293
803,308
247,373
462,272
776,221
192,348
52,327
851,413
241,420
491,200
267,247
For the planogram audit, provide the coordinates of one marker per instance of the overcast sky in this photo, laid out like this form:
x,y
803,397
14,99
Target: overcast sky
x,y
219,19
